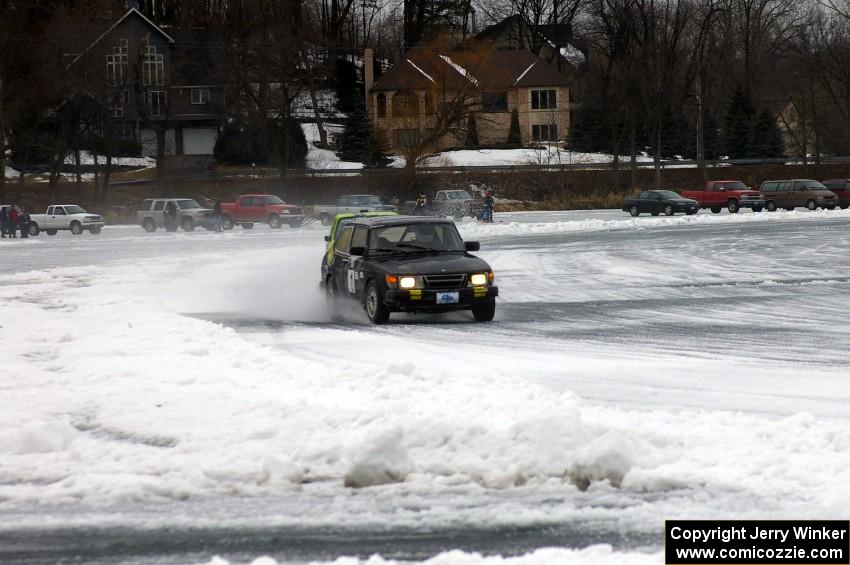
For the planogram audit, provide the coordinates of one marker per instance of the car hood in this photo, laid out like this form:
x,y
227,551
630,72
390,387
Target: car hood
x,y
430,263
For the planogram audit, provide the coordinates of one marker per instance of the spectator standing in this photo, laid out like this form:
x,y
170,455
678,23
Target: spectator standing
x,y
12,222
171,216
217,216
24,223
489,205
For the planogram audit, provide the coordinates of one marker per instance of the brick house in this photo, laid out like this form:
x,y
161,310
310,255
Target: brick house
x,y
496,81
148,80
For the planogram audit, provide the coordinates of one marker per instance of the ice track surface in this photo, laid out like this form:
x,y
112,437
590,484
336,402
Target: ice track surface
x,y
169,398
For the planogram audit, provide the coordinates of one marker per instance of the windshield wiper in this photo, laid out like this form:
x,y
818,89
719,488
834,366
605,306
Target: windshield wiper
x,y
416,246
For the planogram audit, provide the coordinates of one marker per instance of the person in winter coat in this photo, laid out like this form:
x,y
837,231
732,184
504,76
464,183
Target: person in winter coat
x,y
24,223
217,216
4,220
171,216
12,223
489,205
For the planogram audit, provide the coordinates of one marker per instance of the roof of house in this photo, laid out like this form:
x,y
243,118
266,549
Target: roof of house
x,y
479,66
130,12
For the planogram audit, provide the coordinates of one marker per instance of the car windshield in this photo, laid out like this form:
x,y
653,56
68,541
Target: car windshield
x,y
459,195
271,199
187,204
815,185
737,185
421,236
366,201
74,210
667,194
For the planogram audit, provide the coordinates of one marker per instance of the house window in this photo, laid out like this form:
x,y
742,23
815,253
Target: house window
x,y
405,105
155,101
544,132
124,130
153,66
382,105
116,64
494,101
200,96
405,137
120,100
544,100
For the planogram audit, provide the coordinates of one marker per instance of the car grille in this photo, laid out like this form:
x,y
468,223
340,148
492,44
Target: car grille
x,y
445,281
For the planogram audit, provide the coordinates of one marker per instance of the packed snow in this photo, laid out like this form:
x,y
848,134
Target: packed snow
x,y
639,369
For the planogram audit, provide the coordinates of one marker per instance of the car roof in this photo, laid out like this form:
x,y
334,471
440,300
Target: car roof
x,y
382,221
258,194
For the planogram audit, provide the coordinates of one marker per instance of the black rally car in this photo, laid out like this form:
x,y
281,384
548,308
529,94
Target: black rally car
x,y
409,264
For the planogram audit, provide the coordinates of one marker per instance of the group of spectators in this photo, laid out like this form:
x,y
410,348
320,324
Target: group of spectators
x,y
13,219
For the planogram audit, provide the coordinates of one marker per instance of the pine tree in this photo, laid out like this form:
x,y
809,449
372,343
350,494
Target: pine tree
x,y
514,136
354,143
740,124
711,137
348,91
767,137
379,147
471,133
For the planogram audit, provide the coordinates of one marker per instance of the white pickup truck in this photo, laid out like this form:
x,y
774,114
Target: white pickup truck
x,y
350,203
65,217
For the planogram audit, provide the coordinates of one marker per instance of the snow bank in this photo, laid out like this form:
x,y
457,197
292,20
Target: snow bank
x,y
382,459
87,158
39,437
471,230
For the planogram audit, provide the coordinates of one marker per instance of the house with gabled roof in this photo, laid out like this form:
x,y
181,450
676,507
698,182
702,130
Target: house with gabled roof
x,y
151,81
402,102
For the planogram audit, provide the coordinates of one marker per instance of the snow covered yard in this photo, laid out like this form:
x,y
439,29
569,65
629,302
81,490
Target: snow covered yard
x,y
639,369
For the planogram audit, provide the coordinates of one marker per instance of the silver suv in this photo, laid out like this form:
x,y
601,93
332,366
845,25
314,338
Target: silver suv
x,y
151,214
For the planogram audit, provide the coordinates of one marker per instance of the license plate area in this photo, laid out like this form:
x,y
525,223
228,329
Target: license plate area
x,y
448,297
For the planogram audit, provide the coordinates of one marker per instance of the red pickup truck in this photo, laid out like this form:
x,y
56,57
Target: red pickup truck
x,y
730,194
264,208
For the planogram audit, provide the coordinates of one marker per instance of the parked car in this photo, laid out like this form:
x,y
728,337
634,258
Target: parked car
x,y
657,201
266,208
730,194
841,188
151,214
789,194
351,203
65,217
450,203
339,221
409,264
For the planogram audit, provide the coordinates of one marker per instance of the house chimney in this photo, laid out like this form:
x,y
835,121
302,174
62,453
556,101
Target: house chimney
x,y
368,75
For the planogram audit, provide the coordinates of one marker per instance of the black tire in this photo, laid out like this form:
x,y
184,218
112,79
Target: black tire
x,y
374,304
325,219
771,206
296,223
830,207
227,222
332,301
76,228
757,208
149,225
812,205
484,310
274,221
716,210
634,211
844,206
668,210
248,226
790,208
94,230
188,224
732,206
654,213
33,229
692,212
50,232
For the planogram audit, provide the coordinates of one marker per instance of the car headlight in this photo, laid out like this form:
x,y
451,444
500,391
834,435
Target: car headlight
x,y
284,211
478,279
407,282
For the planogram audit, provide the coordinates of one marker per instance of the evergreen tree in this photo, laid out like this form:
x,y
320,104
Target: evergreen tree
x,y
359,143
345,85
471,133
712,147
767,137
239,144
379,148
514,136
740,122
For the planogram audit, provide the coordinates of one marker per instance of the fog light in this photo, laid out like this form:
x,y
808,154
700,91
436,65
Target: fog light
x,y
407,282
478,279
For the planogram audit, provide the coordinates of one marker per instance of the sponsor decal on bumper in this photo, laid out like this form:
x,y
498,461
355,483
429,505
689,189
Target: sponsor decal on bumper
x,y
425,299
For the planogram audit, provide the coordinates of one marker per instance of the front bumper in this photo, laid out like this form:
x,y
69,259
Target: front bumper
x,y
425,300
751,203
92,223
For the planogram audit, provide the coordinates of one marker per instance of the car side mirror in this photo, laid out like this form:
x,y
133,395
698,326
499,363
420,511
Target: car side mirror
x,y
471,245
327,238
358,250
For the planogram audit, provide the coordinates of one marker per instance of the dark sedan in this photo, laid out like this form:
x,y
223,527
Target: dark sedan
x,y
408,264
657,202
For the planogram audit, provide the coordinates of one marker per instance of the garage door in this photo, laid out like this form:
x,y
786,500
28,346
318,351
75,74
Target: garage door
x,y
199,141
